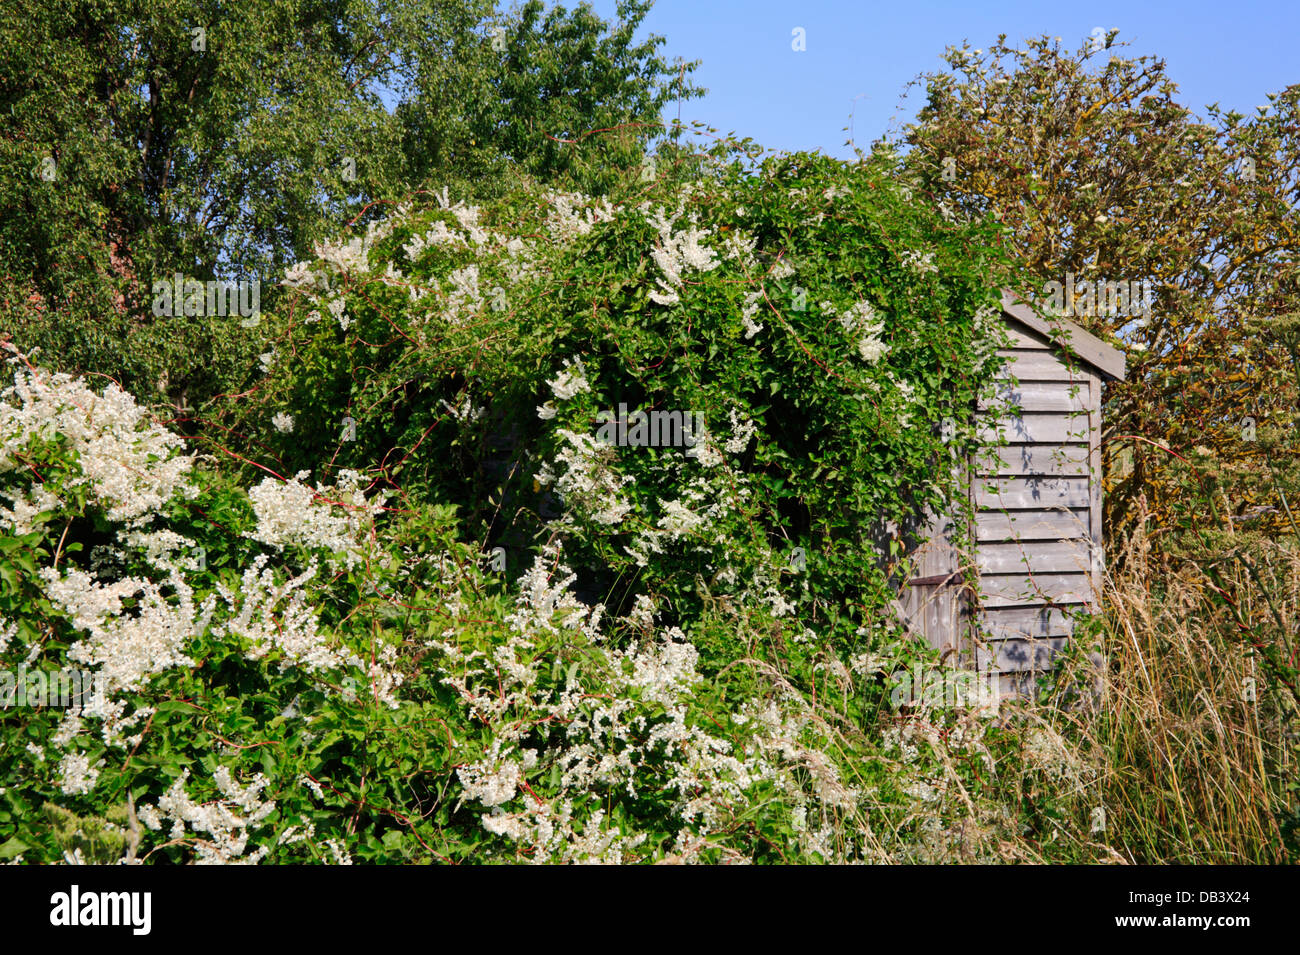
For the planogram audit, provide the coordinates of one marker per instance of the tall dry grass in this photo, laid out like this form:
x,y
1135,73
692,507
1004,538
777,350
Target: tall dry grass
x,y
1193,750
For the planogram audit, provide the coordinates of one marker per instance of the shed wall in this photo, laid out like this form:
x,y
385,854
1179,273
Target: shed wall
x,y
1038,510
1037,529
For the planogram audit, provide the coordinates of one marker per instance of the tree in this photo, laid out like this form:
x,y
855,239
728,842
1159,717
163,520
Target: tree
x,y
184,136
547,80
1095,168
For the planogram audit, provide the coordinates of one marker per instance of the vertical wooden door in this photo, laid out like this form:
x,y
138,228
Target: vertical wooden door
x,y
932,598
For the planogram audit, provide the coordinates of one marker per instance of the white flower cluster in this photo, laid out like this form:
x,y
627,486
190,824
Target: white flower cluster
x,y
861,322
492,781
772,596
741,431
7,632
544,596
467,217
583,474
642,615
128,647
162,548
677,252
465,411
337,264
337,852
275,616
337,307
219,830
918,262
130,465
989,334
132,628
679,521
76,775
437,235
335,519
634,736
572,214
604,742
570,382
345,257
465,291
299,275
705,451
907,400
739,247
748,311
357,254
763,589
781,269
708,497
384,678
465,299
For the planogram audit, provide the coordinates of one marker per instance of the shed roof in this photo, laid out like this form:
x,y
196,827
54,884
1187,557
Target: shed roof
x,y
1088,348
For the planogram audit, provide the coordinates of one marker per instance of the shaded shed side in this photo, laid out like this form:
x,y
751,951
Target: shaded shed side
x,y
1037,511
1037,501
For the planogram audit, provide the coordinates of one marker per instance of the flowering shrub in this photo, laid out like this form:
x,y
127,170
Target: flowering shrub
x,y
306,647
233,707
816,320
117,569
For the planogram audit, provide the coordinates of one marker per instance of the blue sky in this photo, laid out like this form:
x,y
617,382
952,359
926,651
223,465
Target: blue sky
x,y
862,55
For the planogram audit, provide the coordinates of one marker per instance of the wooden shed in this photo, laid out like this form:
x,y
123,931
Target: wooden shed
x,y
1038,527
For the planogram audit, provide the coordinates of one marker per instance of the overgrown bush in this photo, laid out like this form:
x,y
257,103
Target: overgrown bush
x,y
339,668
292,673
810,320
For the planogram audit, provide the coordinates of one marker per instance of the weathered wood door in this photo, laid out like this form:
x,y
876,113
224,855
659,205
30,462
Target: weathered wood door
x,y
932,598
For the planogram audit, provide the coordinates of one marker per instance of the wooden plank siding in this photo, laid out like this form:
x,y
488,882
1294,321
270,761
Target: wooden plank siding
x,y
1052,460
1045,557
1037,365
1036,492
1020,654
1037,508
1019,623
1035,590
1061,524
1022,337
1036,428
1032,492
1070,397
